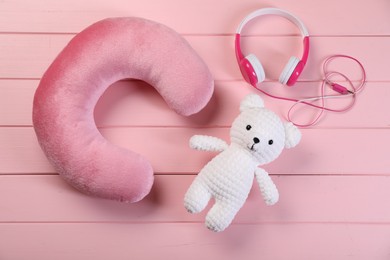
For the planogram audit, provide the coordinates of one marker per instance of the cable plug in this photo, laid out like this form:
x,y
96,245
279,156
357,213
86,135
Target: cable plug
x,y
340,89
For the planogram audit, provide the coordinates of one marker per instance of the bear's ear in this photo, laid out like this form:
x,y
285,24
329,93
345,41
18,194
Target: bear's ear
x,y
293,135
251,101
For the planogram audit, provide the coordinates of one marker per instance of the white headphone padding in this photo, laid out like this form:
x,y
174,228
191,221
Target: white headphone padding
x,y
257,67
288,70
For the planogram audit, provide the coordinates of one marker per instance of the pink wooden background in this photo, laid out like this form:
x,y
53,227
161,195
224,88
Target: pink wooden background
x,y
334,187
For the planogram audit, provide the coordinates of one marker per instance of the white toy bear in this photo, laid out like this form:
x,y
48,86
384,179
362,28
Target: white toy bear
x,y
258,136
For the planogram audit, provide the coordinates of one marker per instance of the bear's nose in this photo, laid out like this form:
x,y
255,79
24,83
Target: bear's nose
x,y
256,140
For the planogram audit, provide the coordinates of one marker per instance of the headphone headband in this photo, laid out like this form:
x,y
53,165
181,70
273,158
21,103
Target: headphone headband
x,y
274,11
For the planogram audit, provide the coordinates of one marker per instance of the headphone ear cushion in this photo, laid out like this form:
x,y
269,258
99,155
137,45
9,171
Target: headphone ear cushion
x,y
257,67
288,70
252,70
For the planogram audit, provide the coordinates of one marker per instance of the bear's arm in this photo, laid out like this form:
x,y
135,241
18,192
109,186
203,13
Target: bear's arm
x,y
208,143
267,187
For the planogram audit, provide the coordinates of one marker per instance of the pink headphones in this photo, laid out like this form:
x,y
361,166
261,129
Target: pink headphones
x,y
250,66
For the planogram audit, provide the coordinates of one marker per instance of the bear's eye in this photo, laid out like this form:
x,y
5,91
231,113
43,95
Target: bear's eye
x,y
270,142
248,127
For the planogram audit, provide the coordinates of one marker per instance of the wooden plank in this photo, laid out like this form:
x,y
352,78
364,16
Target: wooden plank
x,y
332,17
322,151
16,99
193,241
118,105
343,199
29,55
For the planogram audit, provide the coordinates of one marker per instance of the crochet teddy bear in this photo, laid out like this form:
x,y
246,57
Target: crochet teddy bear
x,y
258,136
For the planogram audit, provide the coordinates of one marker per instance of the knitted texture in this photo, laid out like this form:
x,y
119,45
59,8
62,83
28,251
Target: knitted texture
x,y
258,136
208,143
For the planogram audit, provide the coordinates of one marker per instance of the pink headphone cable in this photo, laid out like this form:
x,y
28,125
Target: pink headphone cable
x,y
344,92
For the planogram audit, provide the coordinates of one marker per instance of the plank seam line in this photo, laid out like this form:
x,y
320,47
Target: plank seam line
x,y
282,175
215,80
376,223
213,126
184,34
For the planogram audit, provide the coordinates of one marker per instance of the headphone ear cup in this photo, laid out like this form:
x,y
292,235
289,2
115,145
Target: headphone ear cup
x,y
257,67
288,70
252,70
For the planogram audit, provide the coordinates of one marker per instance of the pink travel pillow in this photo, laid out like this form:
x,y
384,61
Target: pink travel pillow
x,y
108,51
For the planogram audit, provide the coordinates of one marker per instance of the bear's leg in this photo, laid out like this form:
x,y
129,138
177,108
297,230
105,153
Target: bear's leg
x,y
197,197
221,215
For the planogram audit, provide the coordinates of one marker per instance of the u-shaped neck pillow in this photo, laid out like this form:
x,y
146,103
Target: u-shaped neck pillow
x,y
108,51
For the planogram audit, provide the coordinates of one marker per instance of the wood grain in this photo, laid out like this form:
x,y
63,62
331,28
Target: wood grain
x,y
194,241
303,199
334,17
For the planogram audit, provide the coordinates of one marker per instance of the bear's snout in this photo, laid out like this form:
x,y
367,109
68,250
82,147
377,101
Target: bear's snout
x,y
255,141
